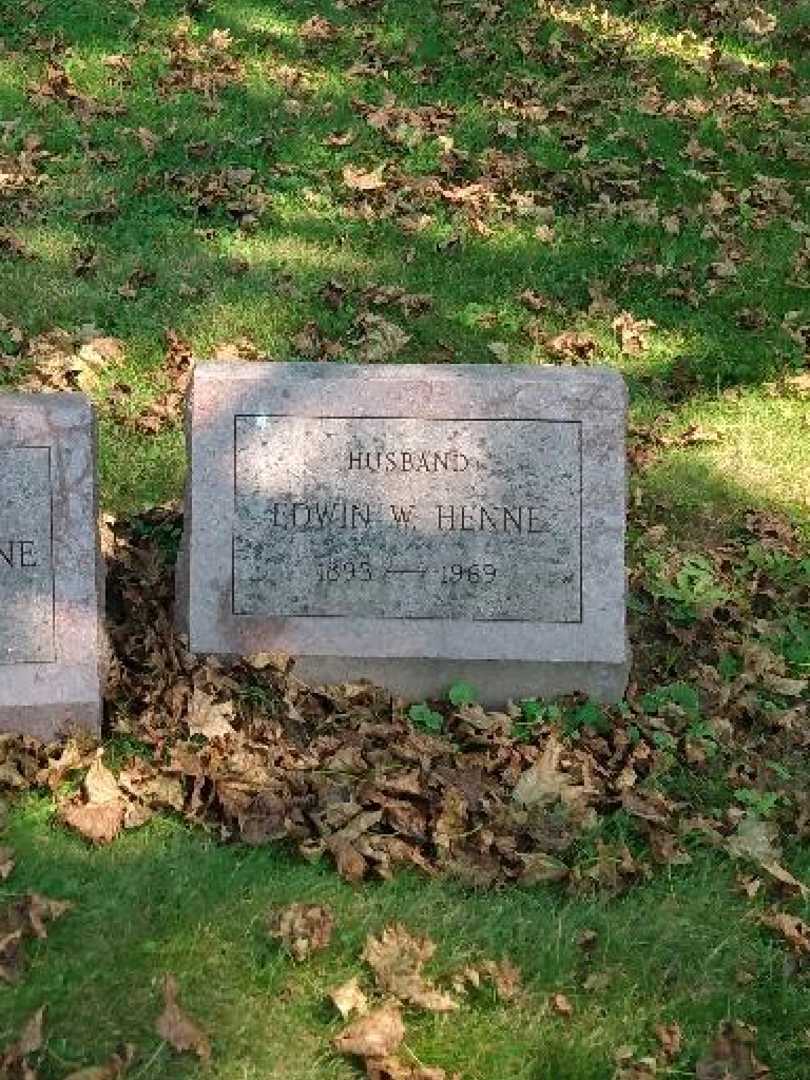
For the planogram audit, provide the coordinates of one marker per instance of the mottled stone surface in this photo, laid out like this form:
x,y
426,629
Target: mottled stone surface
x,y
406,519
411,524
51,586
26,556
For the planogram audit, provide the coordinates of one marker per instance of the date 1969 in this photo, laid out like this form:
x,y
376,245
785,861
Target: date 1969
x,y
331,573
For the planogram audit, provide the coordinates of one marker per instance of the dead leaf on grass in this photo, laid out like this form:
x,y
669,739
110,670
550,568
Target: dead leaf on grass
x,y
670,1039
349,998
757,840
303,929
561,1005
20,919
545,783
572,347
632,333
392,1068
13,1061
12,958
116,1066
397,957
379,339
795,932
363,179
176,1026
732,1055
98,815
376,1035
7,862
504,976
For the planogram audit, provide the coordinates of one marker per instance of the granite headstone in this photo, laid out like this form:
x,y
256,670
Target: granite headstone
x,y
414,525
51,585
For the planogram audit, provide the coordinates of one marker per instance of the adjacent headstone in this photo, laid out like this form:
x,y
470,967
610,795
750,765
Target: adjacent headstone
x,y
51,585
413,525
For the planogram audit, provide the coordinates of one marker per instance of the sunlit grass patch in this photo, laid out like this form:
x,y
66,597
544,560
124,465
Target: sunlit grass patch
x,y
166,899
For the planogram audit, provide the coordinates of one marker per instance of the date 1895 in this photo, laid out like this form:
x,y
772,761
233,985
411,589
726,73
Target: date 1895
x,y
347,572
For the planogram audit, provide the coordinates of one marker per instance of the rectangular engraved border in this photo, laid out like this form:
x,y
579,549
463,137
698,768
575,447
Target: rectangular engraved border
x,y
428,419
53,660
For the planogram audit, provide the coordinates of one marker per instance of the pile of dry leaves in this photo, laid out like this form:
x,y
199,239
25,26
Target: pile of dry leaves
x,y
488,797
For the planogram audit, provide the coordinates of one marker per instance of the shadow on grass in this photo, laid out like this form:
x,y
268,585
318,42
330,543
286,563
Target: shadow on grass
x,y
299,245
169,898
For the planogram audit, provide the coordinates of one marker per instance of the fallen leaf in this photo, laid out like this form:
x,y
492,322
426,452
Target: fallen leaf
x,y
397,957
12,958
732,1055
754,839
561,1005
99,816
7,862
795,932
572,347
544,783
500,350
362,179
392,1068
670,1039
632,333
304,929
379,339
177,1028
116,1066
29,1042
539,868
376,1035
208,718
349,998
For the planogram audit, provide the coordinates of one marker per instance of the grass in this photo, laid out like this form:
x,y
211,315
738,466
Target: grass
x,y
215,282
630,183
684,948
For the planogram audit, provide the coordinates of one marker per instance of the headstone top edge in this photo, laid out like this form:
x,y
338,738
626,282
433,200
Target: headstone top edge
x,y
68,403
268,373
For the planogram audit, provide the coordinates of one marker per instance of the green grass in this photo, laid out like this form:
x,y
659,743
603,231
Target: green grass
x,y
294,94
169,899
718,361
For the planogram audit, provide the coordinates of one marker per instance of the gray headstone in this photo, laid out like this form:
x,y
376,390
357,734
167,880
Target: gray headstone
x,y
51,586
414,525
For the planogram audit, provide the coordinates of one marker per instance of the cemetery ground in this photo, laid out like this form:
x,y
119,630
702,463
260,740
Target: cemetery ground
x,y
555,183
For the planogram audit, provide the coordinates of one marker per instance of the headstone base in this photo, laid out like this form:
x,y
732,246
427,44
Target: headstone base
x,y
496,681
48,722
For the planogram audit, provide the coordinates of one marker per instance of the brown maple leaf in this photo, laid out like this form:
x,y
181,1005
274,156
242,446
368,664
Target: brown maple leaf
x,y
632,333
732,1055
393,1068
24,918
364,179
13,1059
208,718
670,1039
397,957
7,862
572,347
318,29
99,815
378,339
177,1027
376,1035
117,1065
303,929
349,998
561,1005
795,932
